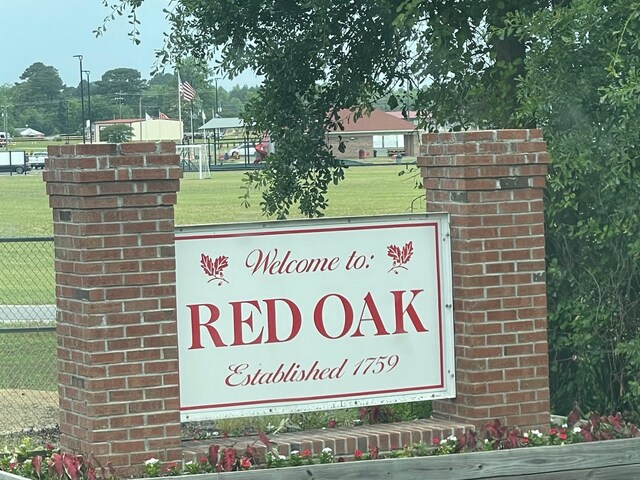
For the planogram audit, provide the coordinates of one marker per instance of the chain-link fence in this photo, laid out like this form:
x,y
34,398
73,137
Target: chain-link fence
x,y
28,374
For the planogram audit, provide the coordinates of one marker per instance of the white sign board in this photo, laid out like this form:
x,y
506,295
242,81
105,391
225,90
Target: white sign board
x,y
315,314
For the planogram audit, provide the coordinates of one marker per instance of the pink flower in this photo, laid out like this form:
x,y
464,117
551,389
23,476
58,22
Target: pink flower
x,y
357,454
245,463
435,441
169,467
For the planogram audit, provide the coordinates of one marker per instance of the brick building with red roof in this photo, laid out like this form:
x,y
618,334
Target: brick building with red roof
x,y
376,135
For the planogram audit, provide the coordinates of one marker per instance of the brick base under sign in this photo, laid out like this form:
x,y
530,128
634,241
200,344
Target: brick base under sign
x,y
343,441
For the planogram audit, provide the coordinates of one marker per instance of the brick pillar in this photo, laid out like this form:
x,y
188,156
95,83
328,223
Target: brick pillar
x,y
113,220
491,183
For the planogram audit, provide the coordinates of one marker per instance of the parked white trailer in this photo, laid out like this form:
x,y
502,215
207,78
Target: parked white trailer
x,y
14,161
5,138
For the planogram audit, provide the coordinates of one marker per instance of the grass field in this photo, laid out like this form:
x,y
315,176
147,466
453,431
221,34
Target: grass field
x,y
365,191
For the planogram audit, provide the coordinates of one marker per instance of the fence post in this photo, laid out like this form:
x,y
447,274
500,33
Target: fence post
x,y
491,183
113,215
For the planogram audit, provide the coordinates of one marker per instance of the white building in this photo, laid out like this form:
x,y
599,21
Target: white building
x,y
151,130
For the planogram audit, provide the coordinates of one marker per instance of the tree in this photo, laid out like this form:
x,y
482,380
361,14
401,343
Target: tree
x,y
583,90
315,60
162,79
120,81
117,133
569,66
125,85
36,98
41,82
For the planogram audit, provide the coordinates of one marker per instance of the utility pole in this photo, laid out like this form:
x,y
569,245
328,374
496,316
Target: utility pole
x,y
217,108
216,131
84,133
6,135
120,100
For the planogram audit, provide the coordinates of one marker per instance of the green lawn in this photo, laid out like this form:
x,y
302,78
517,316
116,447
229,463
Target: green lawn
x,y
365,191
28,361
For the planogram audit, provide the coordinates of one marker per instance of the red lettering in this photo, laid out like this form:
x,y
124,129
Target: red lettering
x,y
282,265
237,370
238,322
375,317
408,310
296,320
269,263
318,316
256,260
214,314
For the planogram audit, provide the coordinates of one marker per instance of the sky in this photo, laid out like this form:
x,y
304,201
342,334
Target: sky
x,y
53,31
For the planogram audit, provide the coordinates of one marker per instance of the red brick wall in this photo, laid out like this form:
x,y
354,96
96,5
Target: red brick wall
x,y
113,213
491,182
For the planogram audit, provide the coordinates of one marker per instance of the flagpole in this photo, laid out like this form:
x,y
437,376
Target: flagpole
x,y
180,107
193,138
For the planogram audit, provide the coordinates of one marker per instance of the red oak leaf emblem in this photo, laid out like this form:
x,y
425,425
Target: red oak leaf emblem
x,y
214,268
400,256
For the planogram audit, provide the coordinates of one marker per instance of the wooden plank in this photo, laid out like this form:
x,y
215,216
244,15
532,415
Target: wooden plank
x,y
595,460
626,472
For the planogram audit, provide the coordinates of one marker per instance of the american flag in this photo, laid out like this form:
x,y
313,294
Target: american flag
x,y
187,91
162,116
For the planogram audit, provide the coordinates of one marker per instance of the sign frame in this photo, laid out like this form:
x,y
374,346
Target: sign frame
x,y
206,337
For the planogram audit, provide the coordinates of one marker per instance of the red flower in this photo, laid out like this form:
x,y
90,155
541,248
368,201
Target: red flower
x,y
306,453
562,436
170,466
435,441
203,460
553,431
357,454
245,463
373,452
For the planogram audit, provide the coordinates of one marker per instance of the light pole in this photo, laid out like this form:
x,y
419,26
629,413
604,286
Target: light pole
x,y
84,134
89,106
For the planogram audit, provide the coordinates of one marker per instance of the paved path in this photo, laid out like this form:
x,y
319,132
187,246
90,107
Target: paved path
x,y
27,313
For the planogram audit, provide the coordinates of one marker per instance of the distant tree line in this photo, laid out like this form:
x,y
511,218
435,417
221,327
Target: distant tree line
x,y
40,99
